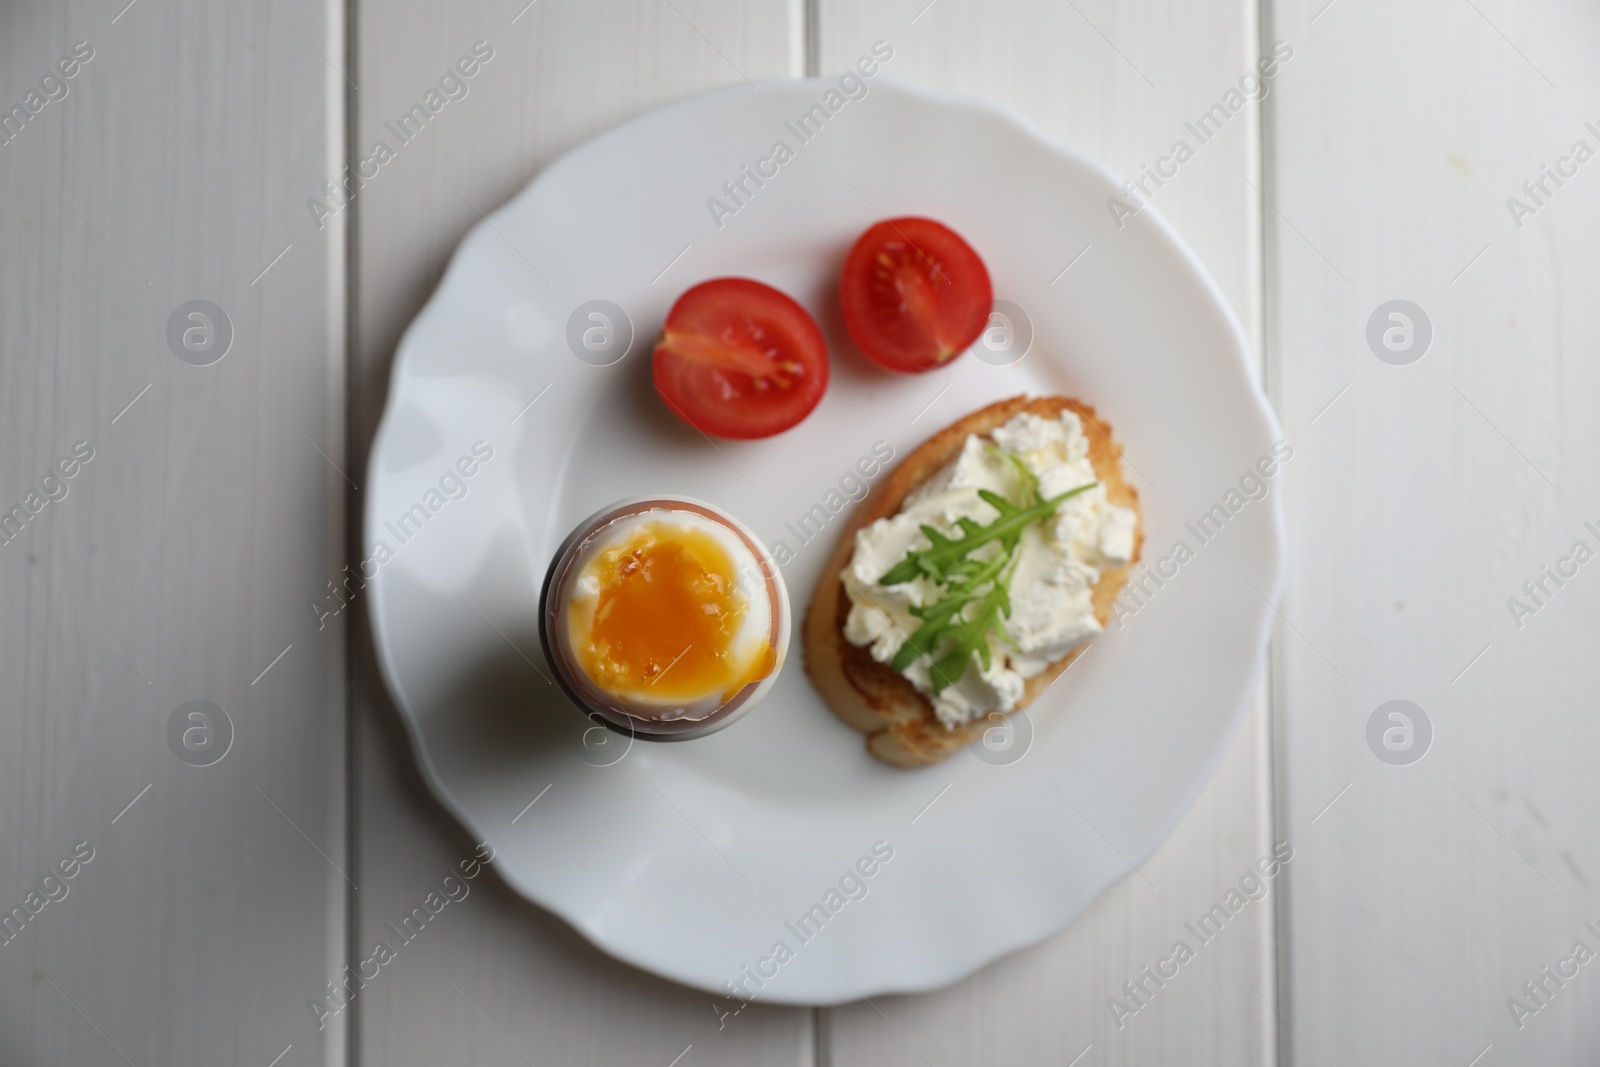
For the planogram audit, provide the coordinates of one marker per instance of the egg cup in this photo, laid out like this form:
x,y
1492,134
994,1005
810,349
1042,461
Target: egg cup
x,y
758,581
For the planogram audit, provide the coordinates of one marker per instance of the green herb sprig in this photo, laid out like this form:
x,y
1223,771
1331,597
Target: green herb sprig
x,y
985,583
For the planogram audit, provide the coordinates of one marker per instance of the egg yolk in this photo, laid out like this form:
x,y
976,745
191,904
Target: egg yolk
x,y
663,618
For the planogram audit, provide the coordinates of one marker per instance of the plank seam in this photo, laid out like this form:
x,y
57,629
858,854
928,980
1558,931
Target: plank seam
x,y
813,37
1266,175
811,29
353,429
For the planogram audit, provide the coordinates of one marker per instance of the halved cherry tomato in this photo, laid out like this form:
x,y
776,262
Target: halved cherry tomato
x,y
914,294
740,359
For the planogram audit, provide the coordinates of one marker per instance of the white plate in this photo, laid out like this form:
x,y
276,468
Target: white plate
x,y
689,859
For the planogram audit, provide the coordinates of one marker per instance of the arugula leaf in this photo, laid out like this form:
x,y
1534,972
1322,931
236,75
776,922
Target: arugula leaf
x,y
938,619
936,560
948,625
972,636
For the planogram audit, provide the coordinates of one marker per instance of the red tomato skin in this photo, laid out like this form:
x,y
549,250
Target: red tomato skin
x,y
924,308
725,336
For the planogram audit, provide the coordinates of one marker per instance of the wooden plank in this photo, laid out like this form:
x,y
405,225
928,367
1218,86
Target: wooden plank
x,y
501,981
172,165
1424,496
1119,83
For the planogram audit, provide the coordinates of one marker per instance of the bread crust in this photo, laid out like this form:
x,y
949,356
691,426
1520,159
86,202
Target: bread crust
x,y
900,723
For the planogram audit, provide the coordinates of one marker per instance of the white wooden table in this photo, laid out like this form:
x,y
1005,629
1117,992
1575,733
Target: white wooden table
x,y
183,561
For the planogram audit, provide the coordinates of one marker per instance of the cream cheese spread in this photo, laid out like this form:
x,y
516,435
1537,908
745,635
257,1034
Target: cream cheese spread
x,y
1057,564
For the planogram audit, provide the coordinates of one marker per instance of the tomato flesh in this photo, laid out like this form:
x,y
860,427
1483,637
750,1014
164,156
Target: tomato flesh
x,y
740,359
914,294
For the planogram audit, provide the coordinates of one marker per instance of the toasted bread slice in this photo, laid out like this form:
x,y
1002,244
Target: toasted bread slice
x,y
899,721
